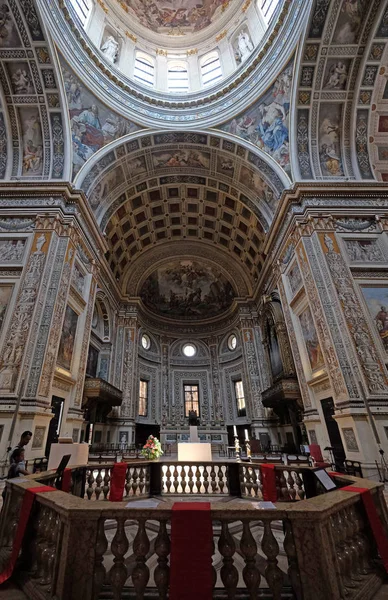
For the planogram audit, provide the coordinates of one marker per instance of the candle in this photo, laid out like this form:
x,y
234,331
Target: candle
x,y
234,430
246,435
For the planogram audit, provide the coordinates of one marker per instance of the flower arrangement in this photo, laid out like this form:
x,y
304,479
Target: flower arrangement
x,y
152,448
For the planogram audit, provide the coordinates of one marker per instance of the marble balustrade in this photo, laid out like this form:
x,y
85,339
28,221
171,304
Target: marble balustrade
x,y
76,549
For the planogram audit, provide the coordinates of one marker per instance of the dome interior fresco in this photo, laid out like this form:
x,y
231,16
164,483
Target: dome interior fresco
x,y
177,16
187,289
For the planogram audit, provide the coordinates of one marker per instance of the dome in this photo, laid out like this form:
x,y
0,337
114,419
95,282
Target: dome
x,y
176,47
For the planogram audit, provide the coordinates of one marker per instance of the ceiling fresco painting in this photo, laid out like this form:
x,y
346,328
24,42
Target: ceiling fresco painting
x,y
186,16
350,20
266,122
93,125
9,37
187,289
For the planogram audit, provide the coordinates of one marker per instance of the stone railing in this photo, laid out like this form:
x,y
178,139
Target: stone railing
x,y
172,478
316,549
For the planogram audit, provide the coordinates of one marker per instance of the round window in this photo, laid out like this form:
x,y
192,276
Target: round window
x,y
232,342
189,350
145,342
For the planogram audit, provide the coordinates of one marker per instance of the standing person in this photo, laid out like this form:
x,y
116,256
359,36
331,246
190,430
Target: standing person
x,y
17,467
24,440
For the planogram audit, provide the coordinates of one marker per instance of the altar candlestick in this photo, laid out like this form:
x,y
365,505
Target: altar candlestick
x,y
234,430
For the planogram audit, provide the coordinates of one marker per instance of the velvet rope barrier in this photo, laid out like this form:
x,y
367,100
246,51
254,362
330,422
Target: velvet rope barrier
x,y
117,482
268,479
28,501
191,574
374,521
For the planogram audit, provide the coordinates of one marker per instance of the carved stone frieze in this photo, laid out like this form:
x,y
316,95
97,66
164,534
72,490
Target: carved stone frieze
x,y
85,344
13,349
166,415
11,224
47,325
294,345
371,364
218,413
55,326
12,250
324,337
127,409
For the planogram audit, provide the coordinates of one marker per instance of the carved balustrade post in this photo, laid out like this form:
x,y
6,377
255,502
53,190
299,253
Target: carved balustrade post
x,y
227,548
251,574
315,555
75,578
141,573
162,571
119,546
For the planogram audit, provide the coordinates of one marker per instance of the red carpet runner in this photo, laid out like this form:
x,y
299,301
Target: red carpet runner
x,y
28,500
191,576
117,482
374,521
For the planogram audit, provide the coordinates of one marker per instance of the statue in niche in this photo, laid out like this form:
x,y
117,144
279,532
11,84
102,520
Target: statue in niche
x,y
244,46
110,49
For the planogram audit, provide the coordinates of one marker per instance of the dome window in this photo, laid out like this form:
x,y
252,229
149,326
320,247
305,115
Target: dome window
x,y
268,8
211,68
232,342
82,9
144,71
178,77
145,341
189,350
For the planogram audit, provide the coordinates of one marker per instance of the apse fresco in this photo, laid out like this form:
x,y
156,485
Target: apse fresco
x,y
187,289
185,15
311,339
376,299
266,122
93,125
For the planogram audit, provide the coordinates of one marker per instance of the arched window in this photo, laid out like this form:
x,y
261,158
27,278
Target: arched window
x,y
144,69
211,68
82,8
177,77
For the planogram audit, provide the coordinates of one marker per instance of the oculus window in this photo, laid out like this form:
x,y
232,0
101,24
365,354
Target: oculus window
x,y
191,393
189,350
211,68
145,341
232,342
143,398
144,71
240,398
177,77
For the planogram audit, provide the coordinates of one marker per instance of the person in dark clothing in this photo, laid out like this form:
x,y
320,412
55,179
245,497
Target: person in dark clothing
x,y
17,466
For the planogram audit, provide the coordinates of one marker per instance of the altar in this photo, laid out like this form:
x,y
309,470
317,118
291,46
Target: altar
x,y
194,450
